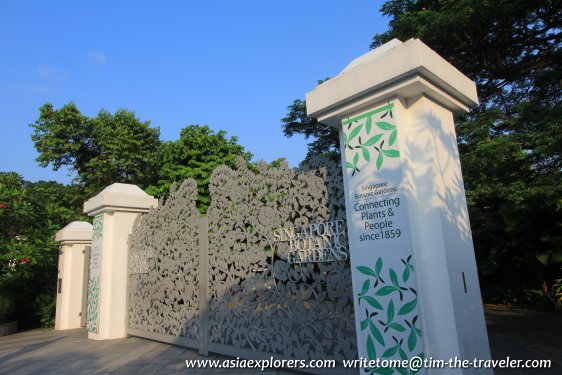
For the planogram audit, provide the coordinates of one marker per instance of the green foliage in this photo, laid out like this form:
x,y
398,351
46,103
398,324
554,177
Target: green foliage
x,y
510,145
506,46
325,138
30,215
102,150
7,304
46,305
278,163
195,155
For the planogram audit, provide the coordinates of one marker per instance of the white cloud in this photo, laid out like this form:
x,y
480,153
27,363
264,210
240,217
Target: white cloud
x,y
50,72
27,89
45,71
97,57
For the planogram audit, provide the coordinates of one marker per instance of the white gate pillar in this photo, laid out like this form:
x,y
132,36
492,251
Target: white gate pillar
x,y
406,205
115,210
74,238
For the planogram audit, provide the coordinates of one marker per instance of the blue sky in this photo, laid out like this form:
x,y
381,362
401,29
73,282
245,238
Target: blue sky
x,y
233,65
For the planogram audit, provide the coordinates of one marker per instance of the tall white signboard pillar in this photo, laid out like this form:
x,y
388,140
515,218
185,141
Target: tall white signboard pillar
x,y
415,284
114,210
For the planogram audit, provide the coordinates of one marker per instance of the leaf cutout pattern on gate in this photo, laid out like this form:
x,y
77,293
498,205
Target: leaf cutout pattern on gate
x,y
165,300
260,301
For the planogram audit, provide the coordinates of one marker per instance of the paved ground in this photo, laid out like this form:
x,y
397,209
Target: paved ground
x,y
525,334
519,334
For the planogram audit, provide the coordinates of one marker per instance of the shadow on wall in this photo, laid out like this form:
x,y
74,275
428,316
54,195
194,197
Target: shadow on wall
x,y
442,234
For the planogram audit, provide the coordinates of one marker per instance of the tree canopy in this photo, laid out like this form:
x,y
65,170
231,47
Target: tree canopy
x,y
197,152
511,48
510,145
324,139
30,215
120,147
102,150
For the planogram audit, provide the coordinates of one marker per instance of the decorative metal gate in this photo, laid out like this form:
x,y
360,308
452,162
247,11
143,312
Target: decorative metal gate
x,y
163,262
270,278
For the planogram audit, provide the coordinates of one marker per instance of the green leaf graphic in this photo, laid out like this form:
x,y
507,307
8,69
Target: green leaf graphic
x,y
391,153
349,165
366,271
390,312
365,287
344,140
368,124
412,340
365,153
371,141
392,137
384,371
390,352
379,160
364,324
376,333
354,133
373,302
355,160
402,353
408,307
397,327
406,273
378,266
385,290
371,352
385,125
393,277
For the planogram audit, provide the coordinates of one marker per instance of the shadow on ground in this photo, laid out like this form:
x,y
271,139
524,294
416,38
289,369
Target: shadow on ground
x,y
514,333
525,334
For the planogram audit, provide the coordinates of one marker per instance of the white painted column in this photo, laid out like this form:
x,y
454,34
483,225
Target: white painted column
x,y
70,284
394,107
114,210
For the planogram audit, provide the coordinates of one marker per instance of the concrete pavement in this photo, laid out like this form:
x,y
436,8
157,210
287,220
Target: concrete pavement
x,y
519,334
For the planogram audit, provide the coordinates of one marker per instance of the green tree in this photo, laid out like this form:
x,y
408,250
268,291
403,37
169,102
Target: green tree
x,y
102,150
30,215
195,155
325,139
511,144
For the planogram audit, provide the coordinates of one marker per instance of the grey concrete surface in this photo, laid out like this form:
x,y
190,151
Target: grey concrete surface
x,y
46,351
519,334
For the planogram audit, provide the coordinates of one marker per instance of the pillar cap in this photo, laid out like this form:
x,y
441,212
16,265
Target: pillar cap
x,y
394,70
75,232
120,197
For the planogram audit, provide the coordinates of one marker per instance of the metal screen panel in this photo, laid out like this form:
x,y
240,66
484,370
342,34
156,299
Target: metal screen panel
x,y
261,302
163,266
247,288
